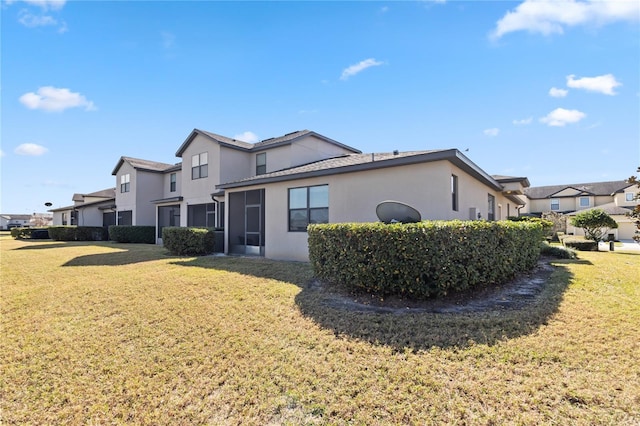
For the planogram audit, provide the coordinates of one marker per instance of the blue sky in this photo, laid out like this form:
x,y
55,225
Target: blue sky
x,y
547,90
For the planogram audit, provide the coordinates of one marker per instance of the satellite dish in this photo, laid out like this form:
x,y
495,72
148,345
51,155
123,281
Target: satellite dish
x,y
397,212
48,204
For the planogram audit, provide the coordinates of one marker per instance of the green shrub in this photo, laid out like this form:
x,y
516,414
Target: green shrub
x,y
557,251
188,241
423,259
547,225
579,243
30,233
78,233
133,234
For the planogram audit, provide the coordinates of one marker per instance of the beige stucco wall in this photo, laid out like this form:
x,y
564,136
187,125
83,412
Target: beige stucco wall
x,y
166,184
235,165
149,186
353,197
621,200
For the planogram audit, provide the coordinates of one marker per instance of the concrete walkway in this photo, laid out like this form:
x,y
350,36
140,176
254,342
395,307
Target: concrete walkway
x,y
627,245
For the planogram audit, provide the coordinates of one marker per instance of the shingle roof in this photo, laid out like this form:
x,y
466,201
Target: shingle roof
x,y
258,146
506,179
359,162
609,208
595,188
140,164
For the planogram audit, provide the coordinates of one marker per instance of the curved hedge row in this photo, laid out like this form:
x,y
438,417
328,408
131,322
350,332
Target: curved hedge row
x,y
423,259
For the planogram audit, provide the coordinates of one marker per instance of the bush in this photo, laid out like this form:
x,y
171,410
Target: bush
x,y
557,252
133,234
547,225
423,259
579,243
30,233
188,241
78,233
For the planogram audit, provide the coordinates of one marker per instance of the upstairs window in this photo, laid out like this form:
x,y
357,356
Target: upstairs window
x,y
125,181
199,166
307,205
629,196
555,204
261,163
584,201
454,193
172,182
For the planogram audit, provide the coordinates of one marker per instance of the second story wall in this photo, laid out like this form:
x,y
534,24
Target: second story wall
x,y
200,170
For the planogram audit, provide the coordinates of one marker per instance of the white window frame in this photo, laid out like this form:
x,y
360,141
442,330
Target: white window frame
x,y
629,196
125,183
584,198
261,163
555,202
199,166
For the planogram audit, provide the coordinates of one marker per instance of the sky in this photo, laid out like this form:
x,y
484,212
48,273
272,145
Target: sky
x,y
549,90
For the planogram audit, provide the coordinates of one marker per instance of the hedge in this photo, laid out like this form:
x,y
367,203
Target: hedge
x,y
132,234
558,252
78,233
30,233
579,243
423,259
188,241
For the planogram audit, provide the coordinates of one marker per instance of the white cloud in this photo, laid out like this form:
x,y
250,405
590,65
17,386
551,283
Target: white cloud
x,y
491,132
31,21
44,4
558,93
359,67
551,17
1,153
384,9
30,149
601,84
560,117
50,98
523,122
247,137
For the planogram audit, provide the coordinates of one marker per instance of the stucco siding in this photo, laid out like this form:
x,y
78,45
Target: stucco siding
x,y
126,200
149,186
235,165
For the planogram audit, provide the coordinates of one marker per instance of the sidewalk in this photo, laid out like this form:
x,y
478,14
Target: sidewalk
x,y
627,245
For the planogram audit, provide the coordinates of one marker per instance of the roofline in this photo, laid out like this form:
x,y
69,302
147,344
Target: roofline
x,y
144,169
258,148
524,180
82,206
452,155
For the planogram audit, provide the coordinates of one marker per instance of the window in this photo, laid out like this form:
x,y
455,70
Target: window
x,y
261,163
172,182
454,192
199,168
584,201
629,196
125,183
555,204
64,218
125,217
491,207
203,215
307,205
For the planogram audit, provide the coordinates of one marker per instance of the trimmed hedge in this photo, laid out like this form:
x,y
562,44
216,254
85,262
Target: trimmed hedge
x,y
557,251
188,241
579,243
132,234
30,233
423,259
78,233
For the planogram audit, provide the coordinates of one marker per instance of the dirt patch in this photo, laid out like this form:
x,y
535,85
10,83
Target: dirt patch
x,y
515,294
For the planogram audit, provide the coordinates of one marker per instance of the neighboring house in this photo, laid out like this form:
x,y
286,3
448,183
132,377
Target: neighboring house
x,y
92,209
8,221
616,198
268,214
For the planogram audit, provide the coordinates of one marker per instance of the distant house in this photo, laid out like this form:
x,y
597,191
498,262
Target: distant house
x,y
92,209
8,221
616,198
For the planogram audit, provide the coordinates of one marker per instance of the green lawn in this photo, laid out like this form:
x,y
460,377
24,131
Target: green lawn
x,y
110,333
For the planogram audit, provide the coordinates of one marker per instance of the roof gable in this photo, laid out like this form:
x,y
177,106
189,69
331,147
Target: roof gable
x,y
145,165
592,188
258,146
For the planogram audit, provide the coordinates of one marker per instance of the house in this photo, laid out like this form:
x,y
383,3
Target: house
x,y
8,221
267,214
92,209
616,198
139,184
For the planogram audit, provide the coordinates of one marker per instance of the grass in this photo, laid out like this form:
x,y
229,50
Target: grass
x,y
110,333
